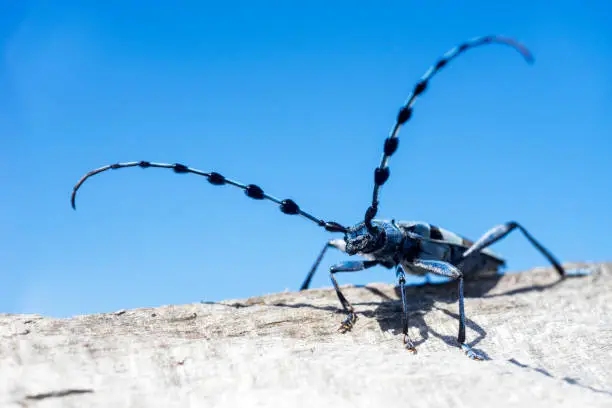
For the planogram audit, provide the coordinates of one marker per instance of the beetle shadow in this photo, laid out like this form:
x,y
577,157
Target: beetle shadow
x,y
422,299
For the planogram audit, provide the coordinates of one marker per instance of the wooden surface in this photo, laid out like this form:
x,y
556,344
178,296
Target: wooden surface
x,y
549,344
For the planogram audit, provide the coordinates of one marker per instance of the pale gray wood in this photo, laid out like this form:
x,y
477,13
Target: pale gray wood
x,y
548,348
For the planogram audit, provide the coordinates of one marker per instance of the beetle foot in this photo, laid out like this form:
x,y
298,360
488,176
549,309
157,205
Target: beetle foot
x,y
578,272
409,344
347,324
474,355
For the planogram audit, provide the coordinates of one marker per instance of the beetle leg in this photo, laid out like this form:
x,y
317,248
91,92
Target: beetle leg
x,y
501,231
402,283
348,266
450,271
335,243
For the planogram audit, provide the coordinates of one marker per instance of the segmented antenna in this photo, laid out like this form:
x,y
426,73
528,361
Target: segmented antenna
x,y
287,206
381,174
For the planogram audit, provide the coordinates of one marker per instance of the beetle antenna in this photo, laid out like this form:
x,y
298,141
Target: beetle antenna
x,y
381,174
287,206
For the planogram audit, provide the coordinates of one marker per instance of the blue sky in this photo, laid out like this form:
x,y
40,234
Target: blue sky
x,y
297,99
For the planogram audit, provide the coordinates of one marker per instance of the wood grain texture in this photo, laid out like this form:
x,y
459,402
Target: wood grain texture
x,y
549,344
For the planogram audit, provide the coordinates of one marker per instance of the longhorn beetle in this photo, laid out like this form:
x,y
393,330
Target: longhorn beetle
x,y
416,248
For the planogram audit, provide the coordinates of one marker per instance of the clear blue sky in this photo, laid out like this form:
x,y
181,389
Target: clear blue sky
x,y
297,99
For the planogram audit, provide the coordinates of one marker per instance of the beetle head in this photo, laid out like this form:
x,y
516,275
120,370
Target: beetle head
x,y
359,239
